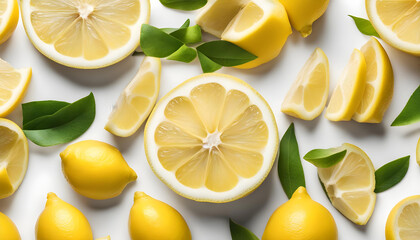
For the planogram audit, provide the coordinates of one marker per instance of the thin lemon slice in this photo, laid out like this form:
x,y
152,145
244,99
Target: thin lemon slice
x,y
13,85
349,91
213,138
137,100
379,84
308,95
350,185
85,33
397,22
13,157
403,220
9,17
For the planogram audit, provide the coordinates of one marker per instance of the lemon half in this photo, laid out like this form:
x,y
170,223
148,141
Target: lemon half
x,y
403,222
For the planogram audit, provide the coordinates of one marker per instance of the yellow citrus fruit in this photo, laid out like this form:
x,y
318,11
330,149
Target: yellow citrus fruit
x,y
13,158
213,138
301,218
308,95
302,13
85,33
350,185
259,26
9,18
60,220
8,230
151,219
379,84
13,85
397,22
137,100
96,169
403,220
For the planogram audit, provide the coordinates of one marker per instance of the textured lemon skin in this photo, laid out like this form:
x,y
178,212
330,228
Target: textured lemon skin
x,y
301,218
11,23
96,169
8,229
151,219
60,220
390,232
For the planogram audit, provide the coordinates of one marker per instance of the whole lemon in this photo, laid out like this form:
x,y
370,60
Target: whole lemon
x,y
301,218
151,219
96,169
60,220
8,229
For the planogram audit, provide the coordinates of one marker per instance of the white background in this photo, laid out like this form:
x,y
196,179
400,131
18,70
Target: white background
x,y
335,33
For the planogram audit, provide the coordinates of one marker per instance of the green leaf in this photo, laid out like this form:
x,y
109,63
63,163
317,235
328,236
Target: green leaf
x,y
156,43
207,65
186,5
171,30
325,158
239,232
225,53
59,126
183,54
188,35
391,174
365,26
289,166
33,110
411,112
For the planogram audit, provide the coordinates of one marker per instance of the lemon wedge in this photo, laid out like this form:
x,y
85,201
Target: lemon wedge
x,y
259,26
85,33
308,95
9,18
397,22
403,222
350,185
137,100
213,138
349,91
13,158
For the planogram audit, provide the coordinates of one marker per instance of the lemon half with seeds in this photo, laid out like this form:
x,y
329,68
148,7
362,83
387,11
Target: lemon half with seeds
x,y
213,138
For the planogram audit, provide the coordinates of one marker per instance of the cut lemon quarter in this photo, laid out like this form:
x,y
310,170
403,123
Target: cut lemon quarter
x,y
403,220
308,95
9,17
349,91
85,33
350,185
13,157
13,85
397,22
213,138
137,100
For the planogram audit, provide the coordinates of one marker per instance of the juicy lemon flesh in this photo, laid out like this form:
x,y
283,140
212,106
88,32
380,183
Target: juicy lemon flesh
x,y
8,229
212,138
403,220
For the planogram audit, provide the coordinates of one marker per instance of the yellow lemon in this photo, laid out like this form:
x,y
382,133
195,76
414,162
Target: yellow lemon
x,y
151,219
301,218
9,18
8,229
96,169
60,220
403,220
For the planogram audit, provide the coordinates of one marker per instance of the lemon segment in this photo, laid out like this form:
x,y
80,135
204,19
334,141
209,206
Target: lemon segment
x,y
308,95
402,222
137,100
213,138
350,185
379,84
9,18
349,91
8,229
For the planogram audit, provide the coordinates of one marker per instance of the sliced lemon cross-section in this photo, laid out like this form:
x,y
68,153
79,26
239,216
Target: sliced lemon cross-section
x,y
213,138
85,33
403,220
9,17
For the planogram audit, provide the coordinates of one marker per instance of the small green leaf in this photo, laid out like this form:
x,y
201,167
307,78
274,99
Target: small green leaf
x,y
289,165
239,232
183,54
325,158
33,110
391,174
411,112
365,26
187,5
207,65
156,43
171,30
188,35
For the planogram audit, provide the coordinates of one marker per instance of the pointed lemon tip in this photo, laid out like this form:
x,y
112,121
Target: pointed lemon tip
x,y
306,31
301,193
138,195
52,196
132,175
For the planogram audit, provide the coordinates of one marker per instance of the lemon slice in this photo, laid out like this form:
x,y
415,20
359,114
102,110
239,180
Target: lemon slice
x,y
350,185
308,95
403,220
9,18
397,22
13,157
13,85
137,100
258,26
379,84
213,138
85,33
349,91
